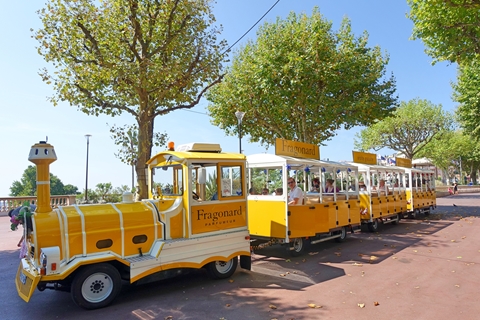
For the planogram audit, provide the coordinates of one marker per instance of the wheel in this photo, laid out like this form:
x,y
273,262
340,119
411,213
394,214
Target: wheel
x,y
343,235
396,220
96,286
222,269
373,226
427,211
298,246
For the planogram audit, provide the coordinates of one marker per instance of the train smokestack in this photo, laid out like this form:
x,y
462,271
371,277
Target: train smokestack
x,y
42,154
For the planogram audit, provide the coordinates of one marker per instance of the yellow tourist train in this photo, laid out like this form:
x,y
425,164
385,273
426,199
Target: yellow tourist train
x,y
363,194
89,249
208,209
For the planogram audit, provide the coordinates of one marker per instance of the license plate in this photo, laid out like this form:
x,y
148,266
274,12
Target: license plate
x,y
23,278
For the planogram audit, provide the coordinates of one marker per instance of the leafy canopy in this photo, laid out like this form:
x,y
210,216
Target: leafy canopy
x,y
409,129
303,81
450,29
146,58
467,93
27,186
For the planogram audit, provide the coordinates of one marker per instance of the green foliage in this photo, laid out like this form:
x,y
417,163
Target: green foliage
x,y
451,148
410,128
302,81
448,28
466,92
27,186
146,58
126,138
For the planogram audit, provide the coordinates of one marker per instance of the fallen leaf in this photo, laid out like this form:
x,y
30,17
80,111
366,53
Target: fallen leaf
x,y
168,317
373,258
357,264
271,306
415,250
463,237
304,260
231,280
375,303
338,254
288,260
227,305
459,257
457,285
282,275
417,287
452,240
361,305
312,253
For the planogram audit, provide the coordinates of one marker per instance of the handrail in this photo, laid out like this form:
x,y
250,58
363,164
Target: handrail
x,y
9,203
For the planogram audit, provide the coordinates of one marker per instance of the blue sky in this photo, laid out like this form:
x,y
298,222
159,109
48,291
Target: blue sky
x,y
27,117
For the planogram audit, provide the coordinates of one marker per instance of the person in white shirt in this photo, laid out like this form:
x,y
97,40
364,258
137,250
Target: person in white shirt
x,y
295,196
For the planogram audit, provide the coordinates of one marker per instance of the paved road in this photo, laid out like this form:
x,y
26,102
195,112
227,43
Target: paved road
x,y
419,269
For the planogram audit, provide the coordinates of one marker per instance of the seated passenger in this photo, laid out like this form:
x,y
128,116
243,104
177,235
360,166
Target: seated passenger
x,y
316,185
252,191
279,191
265,192
362,186
295,196
329,188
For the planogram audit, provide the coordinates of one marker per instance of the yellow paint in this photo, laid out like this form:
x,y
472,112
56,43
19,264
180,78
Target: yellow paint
x,y
267,218
364,157
296,149
402,162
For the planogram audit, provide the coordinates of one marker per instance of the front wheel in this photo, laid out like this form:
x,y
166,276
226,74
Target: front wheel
x,y
298,246
222,269
96,286
343,235
396,220
373,226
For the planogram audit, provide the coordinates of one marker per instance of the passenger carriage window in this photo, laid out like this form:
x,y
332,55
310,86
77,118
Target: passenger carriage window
x,y
167,180
231,181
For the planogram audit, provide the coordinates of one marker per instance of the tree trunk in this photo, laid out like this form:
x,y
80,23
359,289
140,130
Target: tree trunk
x,y
145,136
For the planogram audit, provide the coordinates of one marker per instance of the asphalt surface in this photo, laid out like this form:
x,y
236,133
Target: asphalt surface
x,y
428,268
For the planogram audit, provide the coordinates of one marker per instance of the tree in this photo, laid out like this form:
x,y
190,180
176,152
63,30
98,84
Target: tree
x,y
146,58
466,92
448,28
127,138
454,148
27,186
302,81
410,128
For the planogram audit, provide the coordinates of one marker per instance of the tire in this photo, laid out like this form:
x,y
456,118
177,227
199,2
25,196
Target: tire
x,y
343,235
222,269
96,286
373,226
427,211
396,220
298,246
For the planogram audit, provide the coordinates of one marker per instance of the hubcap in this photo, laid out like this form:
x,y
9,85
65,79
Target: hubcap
x,y
97,287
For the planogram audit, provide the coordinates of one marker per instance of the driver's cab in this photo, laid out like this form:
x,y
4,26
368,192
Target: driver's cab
x,y
198,189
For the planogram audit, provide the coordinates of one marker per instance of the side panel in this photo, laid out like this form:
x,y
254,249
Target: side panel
x,y
267,218
354,211
343,213
301,221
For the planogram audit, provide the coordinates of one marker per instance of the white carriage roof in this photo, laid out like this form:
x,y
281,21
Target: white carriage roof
x,y
265,160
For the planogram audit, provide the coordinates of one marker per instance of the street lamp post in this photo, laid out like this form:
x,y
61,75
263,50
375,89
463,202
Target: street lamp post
x,y
86,171
239,115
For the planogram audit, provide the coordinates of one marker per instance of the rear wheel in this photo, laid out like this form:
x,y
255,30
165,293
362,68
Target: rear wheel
x,y
343,235
396,220
222,269
373,226
96,286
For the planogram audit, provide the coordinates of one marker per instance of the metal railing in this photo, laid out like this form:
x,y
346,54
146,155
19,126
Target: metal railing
x,y
8,203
